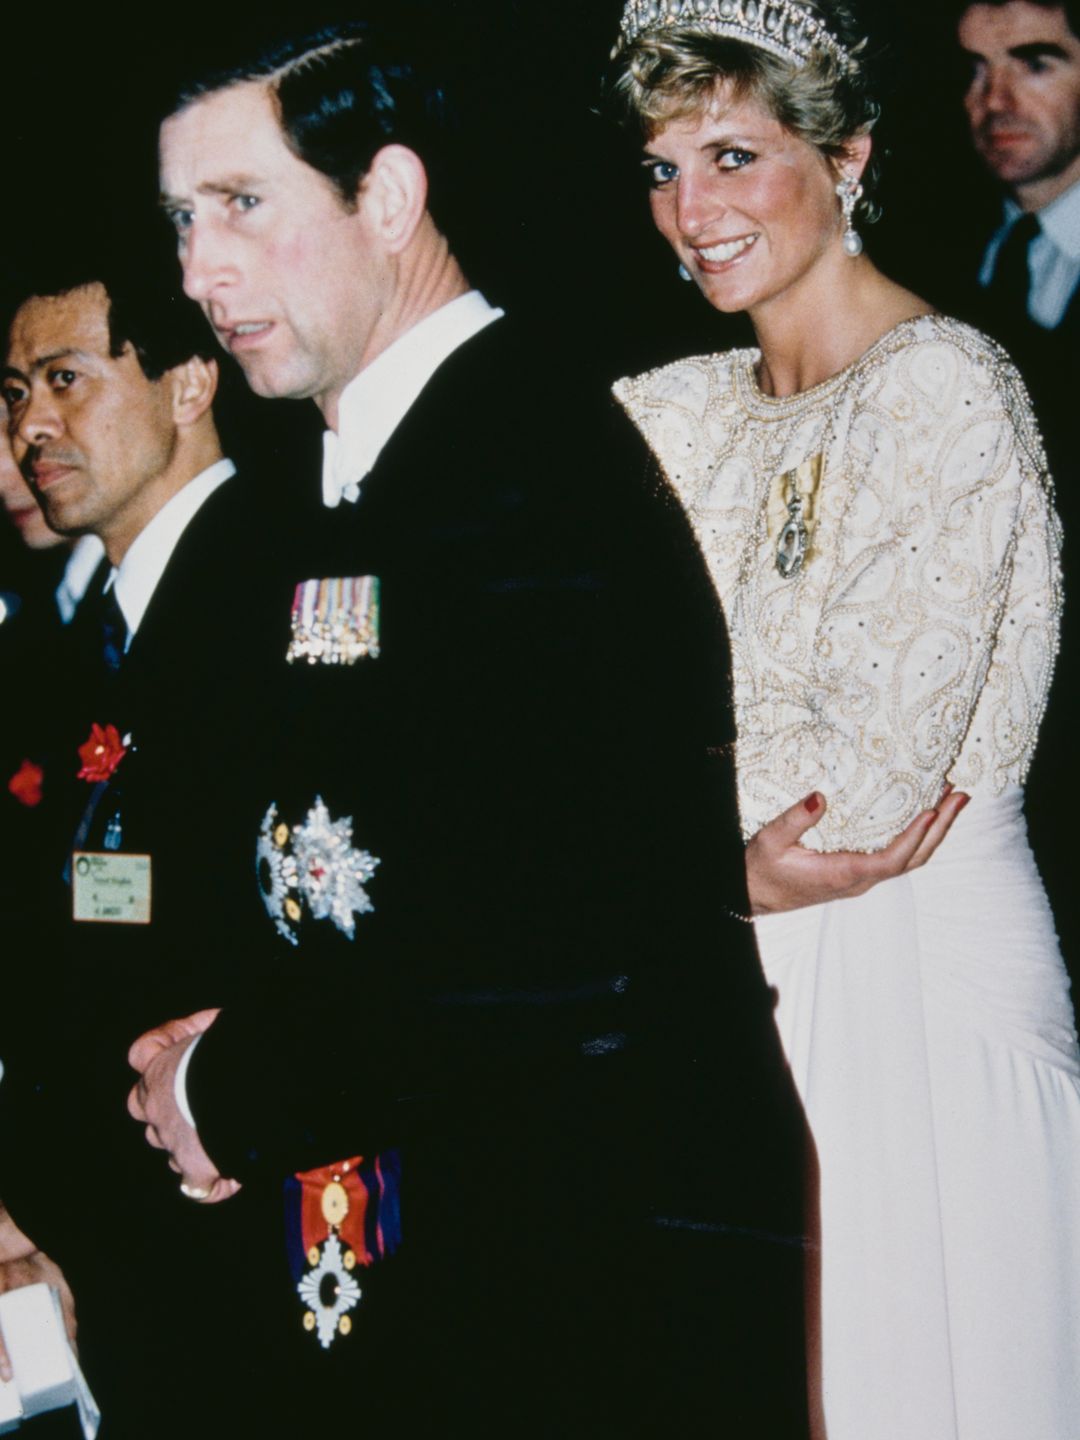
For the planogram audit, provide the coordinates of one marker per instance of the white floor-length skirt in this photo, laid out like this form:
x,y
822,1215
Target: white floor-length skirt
x,y
930,1031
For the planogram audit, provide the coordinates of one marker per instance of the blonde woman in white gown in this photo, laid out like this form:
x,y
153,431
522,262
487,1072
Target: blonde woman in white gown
x,y
869,490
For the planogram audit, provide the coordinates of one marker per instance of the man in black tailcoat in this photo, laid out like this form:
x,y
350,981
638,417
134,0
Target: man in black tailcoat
x,y
509,1082
510,1052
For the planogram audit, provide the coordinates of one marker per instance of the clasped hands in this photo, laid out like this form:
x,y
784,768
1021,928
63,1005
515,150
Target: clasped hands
x,y
156,1056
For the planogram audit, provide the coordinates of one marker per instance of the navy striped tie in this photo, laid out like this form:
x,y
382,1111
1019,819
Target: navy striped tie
x,y
114,631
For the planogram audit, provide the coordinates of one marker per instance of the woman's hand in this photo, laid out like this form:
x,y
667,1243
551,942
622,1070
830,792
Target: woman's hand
x,y
781,874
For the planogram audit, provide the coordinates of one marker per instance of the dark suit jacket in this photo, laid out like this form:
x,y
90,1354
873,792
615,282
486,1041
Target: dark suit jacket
x,y
549,1013
77,1173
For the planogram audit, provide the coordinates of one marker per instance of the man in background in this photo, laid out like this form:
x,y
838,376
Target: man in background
x,y
109,378
1023,108
44,576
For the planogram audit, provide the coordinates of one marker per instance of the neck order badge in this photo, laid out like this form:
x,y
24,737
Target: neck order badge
x,y
339,1217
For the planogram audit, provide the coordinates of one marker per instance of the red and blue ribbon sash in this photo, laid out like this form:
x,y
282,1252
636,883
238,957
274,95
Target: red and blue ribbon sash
x,y
371,1226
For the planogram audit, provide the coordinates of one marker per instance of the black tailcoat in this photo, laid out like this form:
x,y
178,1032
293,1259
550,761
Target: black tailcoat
x,y
549,1013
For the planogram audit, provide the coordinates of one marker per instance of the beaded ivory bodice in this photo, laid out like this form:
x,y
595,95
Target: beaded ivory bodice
x,y
917,643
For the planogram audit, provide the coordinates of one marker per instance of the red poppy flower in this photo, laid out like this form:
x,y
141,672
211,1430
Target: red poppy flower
x,y
26,783
101,754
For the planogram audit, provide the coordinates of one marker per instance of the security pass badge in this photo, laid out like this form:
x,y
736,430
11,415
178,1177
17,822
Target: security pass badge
x,y
339,1219
110,888
335,621
312,866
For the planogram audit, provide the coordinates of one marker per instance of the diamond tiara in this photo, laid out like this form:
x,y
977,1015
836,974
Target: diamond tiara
x,y
782,27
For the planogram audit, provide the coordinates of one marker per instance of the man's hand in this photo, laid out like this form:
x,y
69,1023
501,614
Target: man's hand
x,y
156,1056
781,874
22,1263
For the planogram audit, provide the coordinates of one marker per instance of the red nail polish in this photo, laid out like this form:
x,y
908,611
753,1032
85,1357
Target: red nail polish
x,y
812,804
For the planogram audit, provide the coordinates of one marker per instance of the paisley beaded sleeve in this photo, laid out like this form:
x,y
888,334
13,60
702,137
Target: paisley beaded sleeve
x,y
916,643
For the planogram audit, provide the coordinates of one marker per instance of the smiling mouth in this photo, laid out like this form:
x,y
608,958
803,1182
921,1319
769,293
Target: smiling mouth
x,y
726,250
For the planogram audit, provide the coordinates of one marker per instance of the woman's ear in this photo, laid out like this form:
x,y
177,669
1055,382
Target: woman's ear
x,y
854,157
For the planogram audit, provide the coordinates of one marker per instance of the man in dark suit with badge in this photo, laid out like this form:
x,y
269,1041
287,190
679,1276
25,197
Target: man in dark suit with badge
x,y
510,1070
110,380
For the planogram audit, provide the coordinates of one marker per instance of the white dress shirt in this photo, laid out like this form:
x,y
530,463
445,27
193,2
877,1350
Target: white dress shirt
x,y
136,577
376,401
86,555
1053,256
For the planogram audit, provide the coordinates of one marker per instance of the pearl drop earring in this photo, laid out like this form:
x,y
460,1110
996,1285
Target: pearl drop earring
x,y
850,191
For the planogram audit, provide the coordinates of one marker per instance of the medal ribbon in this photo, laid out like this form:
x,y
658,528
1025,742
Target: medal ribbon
x,y
370,1228
335,621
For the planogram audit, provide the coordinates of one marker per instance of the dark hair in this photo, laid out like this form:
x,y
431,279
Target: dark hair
x,y
147,308
340,99
1070,7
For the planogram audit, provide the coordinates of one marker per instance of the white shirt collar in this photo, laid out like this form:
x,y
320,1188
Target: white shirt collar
x,y
1061,221
136,577
374,403
86,555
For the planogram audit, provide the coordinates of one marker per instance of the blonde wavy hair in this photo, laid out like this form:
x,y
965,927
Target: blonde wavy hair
x,y
674,74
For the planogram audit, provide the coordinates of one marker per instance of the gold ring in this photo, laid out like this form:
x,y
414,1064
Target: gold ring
x,y
195,1192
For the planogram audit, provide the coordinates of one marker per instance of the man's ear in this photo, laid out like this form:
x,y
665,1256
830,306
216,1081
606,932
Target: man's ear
x,y
194,385
394,195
